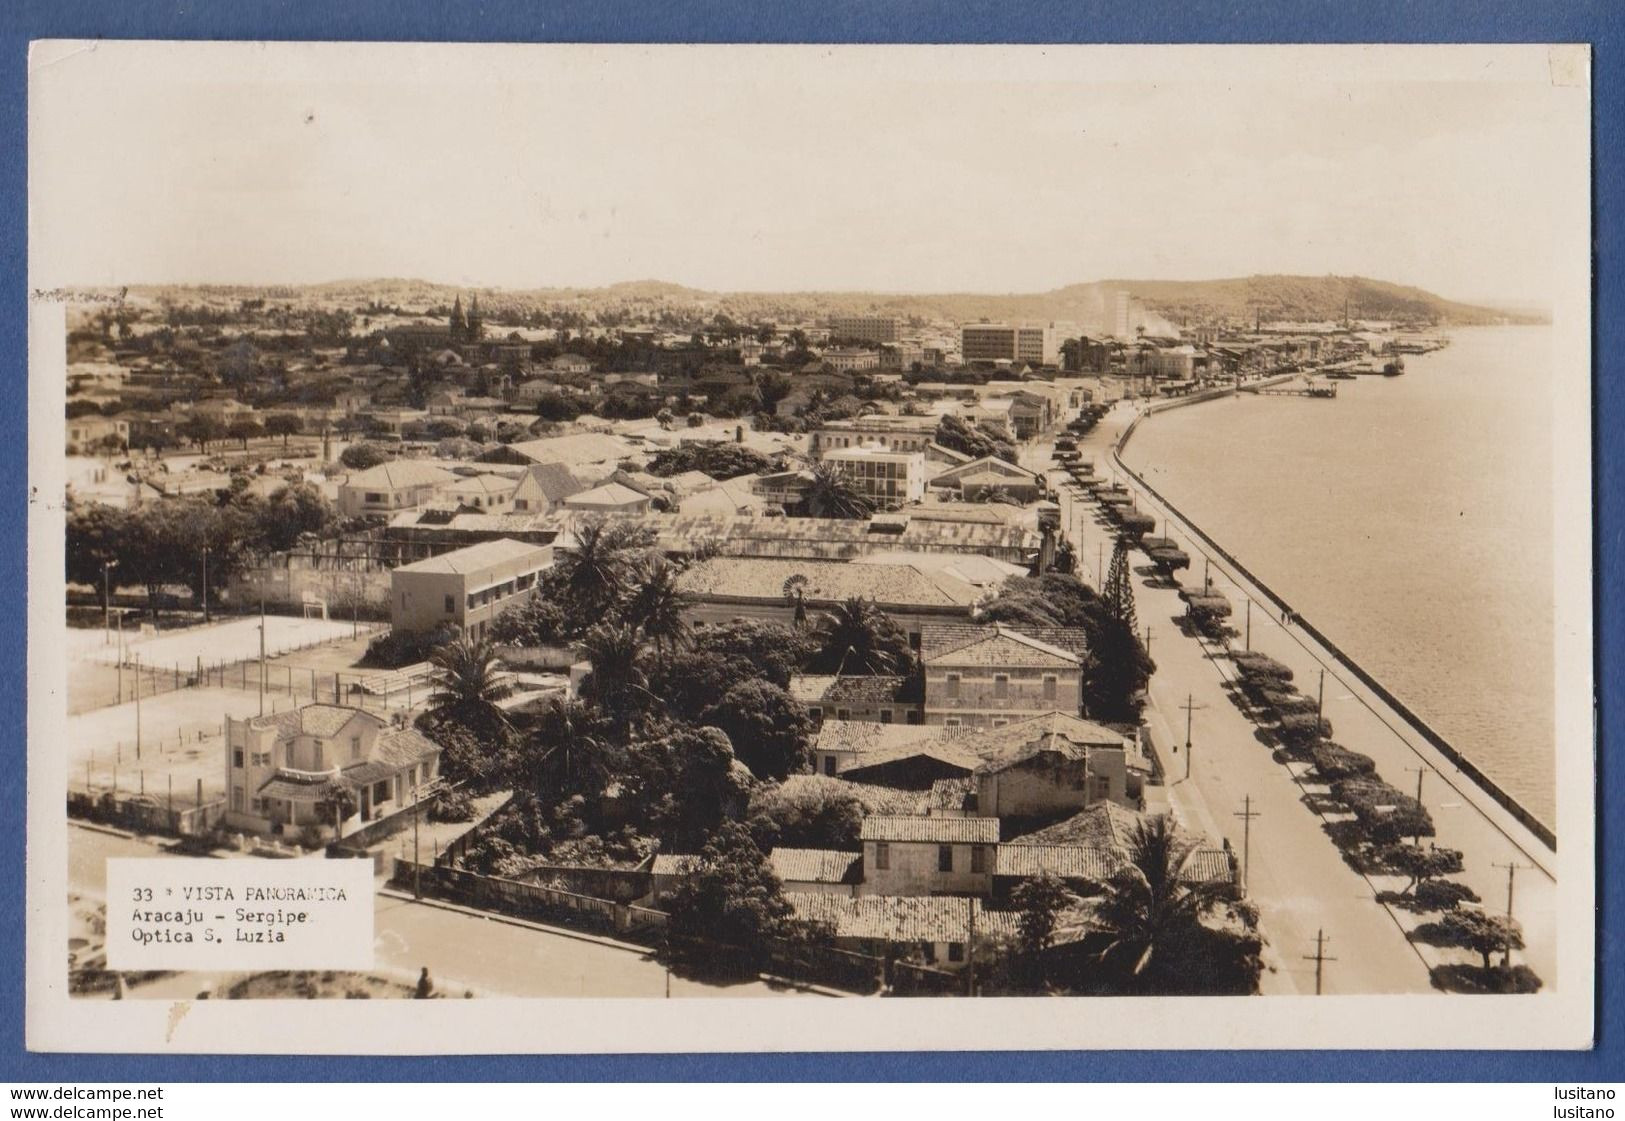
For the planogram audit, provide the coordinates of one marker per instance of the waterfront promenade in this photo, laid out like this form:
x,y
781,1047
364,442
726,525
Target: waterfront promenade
x,y
1297,876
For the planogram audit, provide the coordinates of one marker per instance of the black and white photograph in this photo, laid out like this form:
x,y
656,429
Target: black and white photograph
x,y
638,548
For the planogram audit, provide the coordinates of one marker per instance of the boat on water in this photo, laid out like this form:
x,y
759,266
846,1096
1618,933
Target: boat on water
x,y
1338,373
1393,367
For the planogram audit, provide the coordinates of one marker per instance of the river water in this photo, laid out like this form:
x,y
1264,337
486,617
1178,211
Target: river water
x,y
1411,521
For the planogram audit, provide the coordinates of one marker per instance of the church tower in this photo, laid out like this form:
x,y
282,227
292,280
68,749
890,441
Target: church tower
x,y
475,325
459,325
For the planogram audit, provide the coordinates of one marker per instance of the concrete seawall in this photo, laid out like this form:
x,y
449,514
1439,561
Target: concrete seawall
x,y
1543,832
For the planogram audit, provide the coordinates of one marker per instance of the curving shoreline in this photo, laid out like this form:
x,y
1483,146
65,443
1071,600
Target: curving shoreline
x,y
1540,829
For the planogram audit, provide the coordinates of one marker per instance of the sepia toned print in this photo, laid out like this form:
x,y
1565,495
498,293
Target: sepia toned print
x,y
729,523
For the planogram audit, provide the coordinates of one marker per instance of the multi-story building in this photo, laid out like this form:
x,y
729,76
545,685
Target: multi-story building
x,y
897,433
851,359
467,587
1004,342
866,328
286,771
887,478
993,676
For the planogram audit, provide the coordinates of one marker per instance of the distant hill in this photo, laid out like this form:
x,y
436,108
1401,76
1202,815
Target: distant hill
x,y
1305,298
1173,301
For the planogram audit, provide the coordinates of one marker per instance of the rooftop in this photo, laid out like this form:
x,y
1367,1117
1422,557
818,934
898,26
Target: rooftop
x,y
821,866
908,919
473,558
933,830
824,582
401,473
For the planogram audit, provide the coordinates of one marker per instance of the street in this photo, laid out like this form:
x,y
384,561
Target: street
x,y
1296,875
463,952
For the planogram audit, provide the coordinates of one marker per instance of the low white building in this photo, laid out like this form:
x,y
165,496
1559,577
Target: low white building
x,y
467,587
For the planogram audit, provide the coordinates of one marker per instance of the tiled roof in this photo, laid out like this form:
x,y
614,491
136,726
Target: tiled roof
x,y
816,866
951,793
320,720
1001,646
482,484
610,494
935,830
472,558
967,746
400,474
833,689
554,480
1069,862
937,639
675,864
402,747
1104,825
893,918
824,582
833,539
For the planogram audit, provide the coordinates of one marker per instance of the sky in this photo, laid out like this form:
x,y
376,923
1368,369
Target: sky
x,y
783,169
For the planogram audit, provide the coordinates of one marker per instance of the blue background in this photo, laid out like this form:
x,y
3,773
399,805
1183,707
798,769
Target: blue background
x,y
1599,23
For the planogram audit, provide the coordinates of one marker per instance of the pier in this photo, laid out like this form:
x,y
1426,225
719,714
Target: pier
x,y
1323,392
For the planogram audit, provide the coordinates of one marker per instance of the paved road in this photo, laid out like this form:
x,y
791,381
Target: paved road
x,y
1296,875
462,951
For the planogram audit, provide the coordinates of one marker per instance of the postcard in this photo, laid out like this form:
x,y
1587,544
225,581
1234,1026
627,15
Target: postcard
x,y
564,548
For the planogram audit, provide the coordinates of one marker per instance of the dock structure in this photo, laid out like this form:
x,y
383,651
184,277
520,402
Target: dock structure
x,y
1318,391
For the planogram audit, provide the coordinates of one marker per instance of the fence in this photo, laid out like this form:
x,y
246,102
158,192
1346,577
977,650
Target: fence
x,y
911,979
136,679
143,814
1540,829
525,900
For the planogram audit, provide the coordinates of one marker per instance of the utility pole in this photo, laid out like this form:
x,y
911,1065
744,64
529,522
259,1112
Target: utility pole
x,y
107,600
1249,640
417,868
1512,872
1320,698
138,706
205,583
1207,573
1420,772
1190,706
1148,642
262,643
1247,814
1319,957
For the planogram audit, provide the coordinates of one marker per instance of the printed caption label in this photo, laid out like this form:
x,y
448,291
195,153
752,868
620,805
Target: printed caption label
x,y
239,914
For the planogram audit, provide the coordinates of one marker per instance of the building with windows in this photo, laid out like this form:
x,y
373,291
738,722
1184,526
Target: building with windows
x,y
851,359
898,433
906,855
389,488
887,478
992,676
866,328
1005,342
466,587
300,771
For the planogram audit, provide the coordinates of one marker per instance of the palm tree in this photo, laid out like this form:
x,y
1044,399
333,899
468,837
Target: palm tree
x,y
656,605
830,494
594,571
618,683
856,637
568,741
1150,903
468,678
